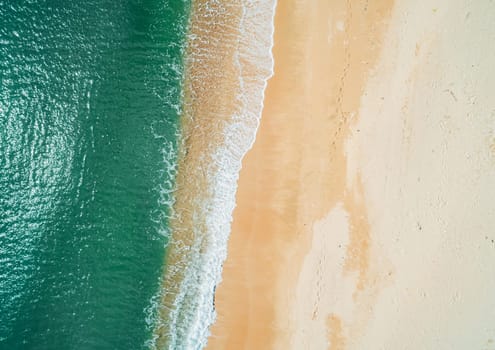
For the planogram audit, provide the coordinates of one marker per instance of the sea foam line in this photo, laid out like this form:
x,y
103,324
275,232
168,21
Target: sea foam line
x,y
229,61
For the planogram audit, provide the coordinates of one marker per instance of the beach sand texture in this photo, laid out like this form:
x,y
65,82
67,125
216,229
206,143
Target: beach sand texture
x,y
364,215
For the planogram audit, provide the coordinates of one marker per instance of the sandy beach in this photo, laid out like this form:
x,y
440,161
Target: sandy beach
x,y
364,215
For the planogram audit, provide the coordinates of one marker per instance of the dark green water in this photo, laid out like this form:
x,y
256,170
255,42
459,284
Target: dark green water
x,y
89,96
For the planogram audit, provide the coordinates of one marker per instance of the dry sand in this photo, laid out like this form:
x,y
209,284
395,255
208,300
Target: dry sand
x,y
364,214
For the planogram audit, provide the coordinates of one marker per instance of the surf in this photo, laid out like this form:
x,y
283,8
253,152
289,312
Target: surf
x,y
228,61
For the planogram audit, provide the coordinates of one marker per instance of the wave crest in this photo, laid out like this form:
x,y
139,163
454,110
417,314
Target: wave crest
x,y
228,64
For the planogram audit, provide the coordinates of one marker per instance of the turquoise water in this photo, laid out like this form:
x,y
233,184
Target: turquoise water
x,y
89,107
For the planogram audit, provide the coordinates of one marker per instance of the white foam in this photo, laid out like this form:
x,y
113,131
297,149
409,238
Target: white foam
x,y
192,313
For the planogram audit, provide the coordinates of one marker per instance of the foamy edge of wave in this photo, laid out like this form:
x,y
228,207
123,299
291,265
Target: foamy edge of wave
x,y
193,311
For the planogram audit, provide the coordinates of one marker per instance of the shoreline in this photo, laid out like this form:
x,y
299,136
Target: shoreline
x,y
370,177
226,73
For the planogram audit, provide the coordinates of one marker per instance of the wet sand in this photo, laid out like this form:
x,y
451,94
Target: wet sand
x,y
364,216
225,75
205,115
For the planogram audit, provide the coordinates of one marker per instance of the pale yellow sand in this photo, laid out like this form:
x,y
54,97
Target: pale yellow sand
x,y
425,154
365,215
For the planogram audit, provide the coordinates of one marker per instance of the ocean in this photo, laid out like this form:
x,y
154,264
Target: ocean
x,y
116,191
89,111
